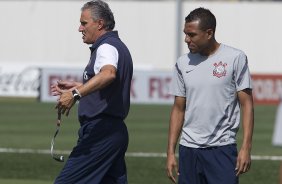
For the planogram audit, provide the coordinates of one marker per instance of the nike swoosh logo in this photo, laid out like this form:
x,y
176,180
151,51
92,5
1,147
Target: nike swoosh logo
x,y
189,71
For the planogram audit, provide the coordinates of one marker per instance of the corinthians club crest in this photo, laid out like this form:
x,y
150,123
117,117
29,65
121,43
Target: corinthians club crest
x,y
219,69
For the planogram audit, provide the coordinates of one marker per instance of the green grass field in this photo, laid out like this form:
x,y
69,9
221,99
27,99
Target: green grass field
x,y
26,123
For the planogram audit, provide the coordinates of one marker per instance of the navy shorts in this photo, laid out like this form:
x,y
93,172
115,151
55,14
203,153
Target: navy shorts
x,y
98,157
215,165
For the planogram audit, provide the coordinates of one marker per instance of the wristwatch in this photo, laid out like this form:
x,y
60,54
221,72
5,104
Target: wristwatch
x,y
75,94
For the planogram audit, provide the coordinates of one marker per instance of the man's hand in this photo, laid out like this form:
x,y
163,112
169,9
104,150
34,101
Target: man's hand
x,y
65,102
171,167
63,86
243,162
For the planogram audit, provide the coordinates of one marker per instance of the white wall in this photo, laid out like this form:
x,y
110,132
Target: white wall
x,y
46,32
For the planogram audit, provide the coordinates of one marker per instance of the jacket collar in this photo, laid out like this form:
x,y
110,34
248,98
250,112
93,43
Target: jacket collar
x,y
102,38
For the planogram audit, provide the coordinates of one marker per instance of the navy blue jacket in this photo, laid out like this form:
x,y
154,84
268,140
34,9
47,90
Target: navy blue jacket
x,y
114,99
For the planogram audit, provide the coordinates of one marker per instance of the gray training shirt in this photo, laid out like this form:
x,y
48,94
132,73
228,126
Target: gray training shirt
x,y
210,85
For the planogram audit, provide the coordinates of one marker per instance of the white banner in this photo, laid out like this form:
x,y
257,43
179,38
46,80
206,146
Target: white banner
x,y
19,80
151,87
50,76
147,87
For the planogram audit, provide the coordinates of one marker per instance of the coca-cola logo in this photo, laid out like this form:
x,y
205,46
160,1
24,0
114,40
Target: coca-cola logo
x,y
22,83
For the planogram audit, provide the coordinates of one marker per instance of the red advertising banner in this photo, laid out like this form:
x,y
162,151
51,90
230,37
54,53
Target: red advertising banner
x,y
147,86
267,89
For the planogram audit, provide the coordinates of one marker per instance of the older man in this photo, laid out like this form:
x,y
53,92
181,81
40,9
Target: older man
x,y
104,100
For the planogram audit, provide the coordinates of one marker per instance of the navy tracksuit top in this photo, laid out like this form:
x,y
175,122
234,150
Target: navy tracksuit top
x,y
114,99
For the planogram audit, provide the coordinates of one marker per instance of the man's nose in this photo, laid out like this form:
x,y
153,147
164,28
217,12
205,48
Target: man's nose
x,y
80,29
187,39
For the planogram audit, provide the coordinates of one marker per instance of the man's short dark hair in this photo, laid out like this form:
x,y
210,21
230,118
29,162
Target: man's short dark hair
x,y
205,16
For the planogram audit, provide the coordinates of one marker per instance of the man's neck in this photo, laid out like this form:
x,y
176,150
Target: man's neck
x,y
211,49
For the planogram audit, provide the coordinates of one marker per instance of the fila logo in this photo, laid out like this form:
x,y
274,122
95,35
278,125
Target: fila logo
x,y
219,69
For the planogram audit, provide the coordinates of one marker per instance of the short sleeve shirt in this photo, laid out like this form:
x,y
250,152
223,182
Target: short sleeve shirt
x,y
106,55
210,86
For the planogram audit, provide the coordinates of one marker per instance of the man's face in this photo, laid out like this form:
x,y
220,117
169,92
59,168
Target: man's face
x,y
196,39
88,27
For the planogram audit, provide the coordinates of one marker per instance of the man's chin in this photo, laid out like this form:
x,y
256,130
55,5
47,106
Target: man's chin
x,y
85,41
88,42
192,51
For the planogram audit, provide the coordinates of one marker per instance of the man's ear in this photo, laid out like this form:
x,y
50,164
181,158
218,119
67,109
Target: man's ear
x,y
101,24
210,33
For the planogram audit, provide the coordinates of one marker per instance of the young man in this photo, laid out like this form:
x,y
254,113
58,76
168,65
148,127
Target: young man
x,y
104,100
210,85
